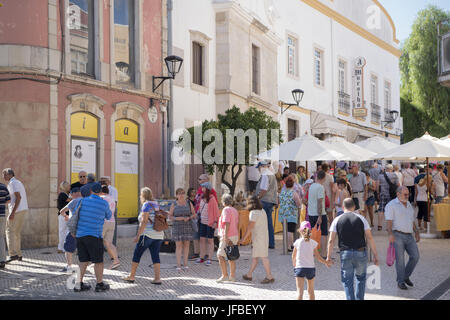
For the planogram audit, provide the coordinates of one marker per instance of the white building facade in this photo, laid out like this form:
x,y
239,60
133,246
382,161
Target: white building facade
x,y
255,52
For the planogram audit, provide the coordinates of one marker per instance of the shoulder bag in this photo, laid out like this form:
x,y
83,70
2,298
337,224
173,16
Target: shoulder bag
x,y
392,187
72,224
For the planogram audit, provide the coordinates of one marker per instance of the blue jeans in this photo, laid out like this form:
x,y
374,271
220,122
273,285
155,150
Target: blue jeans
x,y
354,263
402,243
268,207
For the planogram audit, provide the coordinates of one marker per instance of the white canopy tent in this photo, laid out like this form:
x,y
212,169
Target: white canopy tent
x,y
377,144
352,150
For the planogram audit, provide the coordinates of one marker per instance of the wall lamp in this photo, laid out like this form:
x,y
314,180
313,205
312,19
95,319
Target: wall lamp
x,y
297,94
393,117
173,64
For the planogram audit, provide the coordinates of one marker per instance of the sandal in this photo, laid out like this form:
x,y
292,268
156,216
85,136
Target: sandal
x,y
115,266
265,281
127,279
245,277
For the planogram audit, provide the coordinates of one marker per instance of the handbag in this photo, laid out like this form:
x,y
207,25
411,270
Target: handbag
x,y
316,234
390,257
72,224
160,223
232,252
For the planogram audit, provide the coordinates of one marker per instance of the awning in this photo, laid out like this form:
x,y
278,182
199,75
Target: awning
x,y
326,124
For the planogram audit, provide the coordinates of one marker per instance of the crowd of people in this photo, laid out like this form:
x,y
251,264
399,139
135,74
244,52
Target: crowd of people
x,y
343,203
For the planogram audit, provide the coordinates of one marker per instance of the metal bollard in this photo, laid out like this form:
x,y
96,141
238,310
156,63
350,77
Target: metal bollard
x,y
285,237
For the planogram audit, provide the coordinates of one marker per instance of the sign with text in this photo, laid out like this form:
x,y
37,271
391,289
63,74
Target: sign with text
x,y
358,83
84,157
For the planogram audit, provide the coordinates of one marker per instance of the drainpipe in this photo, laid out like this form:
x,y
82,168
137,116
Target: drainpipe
x,y
170,168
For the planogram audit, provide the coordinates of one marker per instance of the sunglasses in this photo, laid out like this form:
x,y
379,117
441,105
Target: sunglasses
x,y
82,176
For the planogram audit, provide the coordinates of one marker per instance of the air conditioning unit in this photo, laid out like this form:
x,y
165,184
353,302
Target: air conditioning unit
x,y
445,54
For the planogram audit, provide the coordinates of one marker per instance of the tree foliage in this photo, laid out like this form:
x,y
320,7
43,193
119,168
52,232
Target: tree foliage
x,y
233,119
425,103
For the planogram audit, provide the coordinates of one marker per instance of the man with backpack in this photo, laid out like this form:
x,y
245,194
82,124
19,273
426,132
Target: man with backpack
x,y
387,189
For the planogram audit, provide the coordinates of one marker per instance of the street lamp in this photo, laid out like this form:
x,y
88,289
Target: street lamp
x,y
172,67
393,117
297,94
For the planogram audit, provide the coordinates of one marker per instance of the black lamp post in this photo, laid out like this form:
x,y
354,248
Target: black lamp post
x,y
173,64
297,94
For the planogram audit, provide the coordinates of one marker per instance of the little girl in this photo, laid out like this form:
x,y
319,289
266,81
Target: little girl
x,y
303,260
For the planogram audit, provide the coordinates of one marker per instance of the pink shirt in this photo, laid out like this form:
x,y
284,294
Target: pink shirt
x,y
231,215
112,206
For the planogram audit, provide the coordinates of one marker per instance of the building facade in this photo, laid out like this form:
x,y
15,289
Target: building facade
x,y
76,94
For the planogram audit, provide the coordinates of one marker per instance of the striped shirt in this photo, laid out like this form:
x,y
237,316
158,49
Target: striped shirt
x,y
93,212
4,196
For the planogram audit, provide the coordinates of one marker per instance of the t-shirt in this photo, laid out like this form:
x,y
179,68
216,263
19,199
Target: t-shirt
x,y
76,185
112,206
253,173
93,212
62,201
305,253
358,183
17,186
374,173
150,207
350,228
231,215
203,209
408,177
4,196
439,183
316,191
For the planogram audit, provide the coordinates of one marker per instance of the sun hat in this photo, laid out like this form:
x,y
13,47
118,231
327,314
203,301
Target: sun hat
x,y
305,225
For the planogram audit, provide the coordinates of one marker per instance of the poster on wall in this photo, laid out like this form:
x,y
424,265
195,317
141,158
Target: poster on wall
x,y
127,179
84,157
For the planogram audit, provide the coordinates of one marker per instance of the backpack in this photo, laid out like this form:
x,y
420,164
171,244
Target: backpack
x,y
392,187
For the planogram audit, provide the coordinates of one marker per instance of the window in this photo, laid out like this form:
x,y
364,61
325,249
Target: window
x,y
197,64
81,26
318,67
256,69
387,95
374,89
292,56
342,76
124,41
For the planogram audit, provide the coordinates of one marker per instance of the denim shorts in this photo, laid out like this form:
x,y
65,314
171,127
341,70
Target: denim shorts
x,y
309,273
370,201
206,231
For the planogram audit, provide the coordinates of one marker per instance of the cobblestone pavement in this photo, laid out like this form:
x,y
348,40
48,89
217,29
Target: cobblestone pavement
x,y
38,277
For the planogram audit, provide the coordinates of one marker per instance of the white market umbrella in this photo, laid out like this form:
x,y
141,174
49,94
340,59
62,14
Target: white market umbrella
x,y
352,150
305,148
424,148
446,139
377,144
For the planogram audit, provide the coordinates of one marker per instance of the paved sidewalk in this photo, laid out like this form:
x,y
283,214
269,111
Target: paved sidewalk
x,y
38,277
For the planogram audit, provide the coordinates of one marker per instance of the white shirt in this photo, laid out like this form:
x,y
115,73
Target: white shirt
x,y
422,193
402,217
264,185
15,185
408,177
305,253
400,177
439,182
253,173
113,193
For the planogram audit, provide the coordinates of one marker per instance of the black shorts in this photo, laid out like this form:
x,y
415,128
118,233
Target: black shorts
x,y
291,226
423,211
323,226
90,249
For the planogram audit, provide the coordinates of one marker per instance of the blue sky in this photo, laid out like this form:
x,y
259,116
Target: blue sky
x,y
403,12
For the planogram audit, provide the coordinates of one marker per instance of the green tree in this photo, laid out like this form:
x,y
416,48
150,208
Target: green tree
x,y
233,119
425,103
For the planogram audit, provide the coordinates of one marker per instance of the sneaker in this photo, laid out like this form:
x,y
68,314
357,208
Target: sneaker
x,y
199,260
178,268
101,287
409,283
222,279
12,258
402,286
83,287
208,262
185,267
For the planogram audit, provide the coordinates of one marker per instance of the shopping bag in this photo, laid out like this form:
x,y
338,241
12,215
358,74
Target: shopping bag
x,y
316,234
390,257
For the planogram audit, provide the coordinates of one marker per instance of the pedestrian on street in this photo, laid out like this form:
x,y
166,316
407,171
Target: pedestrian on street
x,y
182,213
316,208
70,243
253,178
301,175
341,195
93,212
191,193
115,195
266,191
354,233
408,175
328,185
359,188
370,202
399,175
82,180
108,229
18,209
209,217
401,227
4,200
61,202
229,236
383,190
86,189
439,180
257,226
147,237
420,201
305,249
289,205
308,183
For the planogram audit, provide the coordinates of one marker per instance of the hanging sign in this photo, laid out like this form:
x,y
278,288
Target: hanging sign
x,y
152,114
359,110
